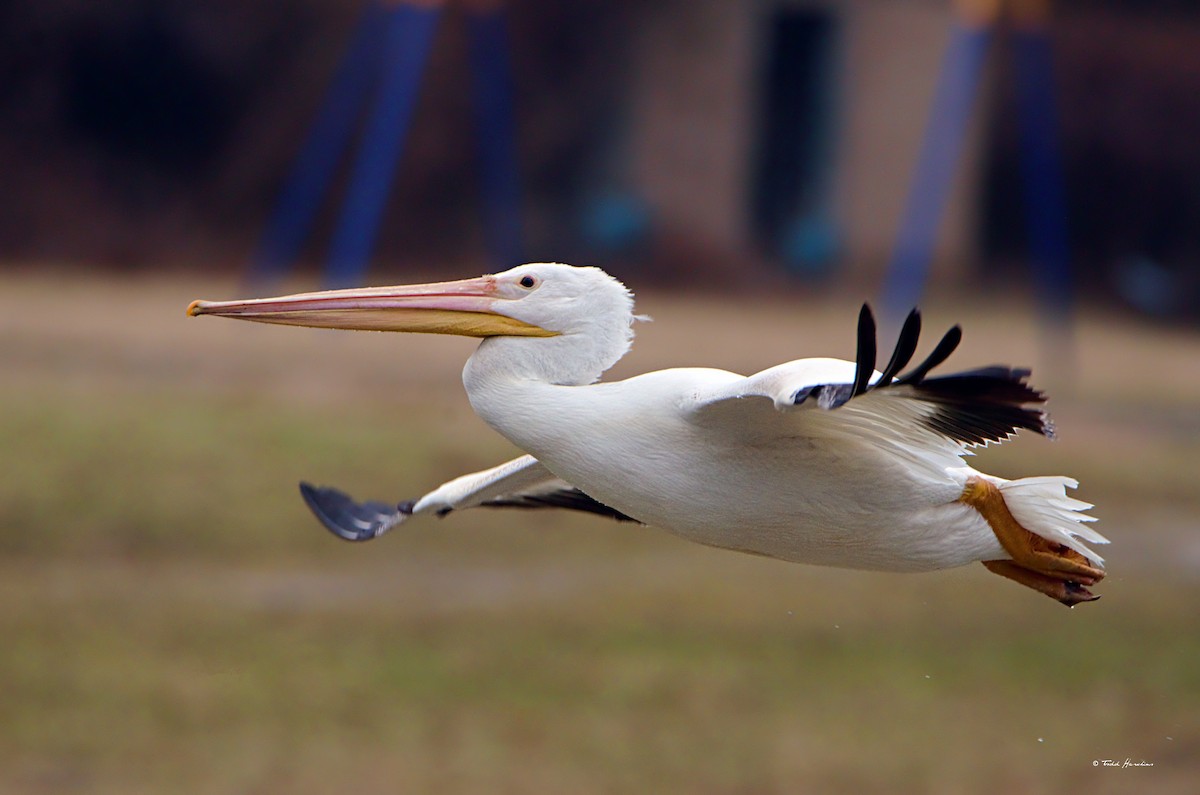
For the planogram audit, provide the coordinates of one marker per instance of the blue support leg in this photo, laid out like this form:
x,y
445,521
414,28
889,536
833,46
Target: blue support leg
x,y
958,85
812,242
408,30
1045,199
491,71
1042,172
312,172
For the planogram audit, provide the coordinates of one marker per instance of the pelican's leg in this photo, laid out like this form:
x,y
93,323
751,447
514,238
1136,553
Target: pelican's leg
x,y
1053,569
1068,592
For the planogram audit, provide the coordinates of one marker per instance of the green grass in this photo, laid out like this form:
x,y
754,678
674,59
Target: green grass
x,y
167,474
174,621
176,677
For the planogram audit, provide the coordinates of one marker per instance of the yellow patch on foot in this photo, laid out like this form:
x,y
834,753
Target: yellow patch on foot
x,y
1045,566
1065,591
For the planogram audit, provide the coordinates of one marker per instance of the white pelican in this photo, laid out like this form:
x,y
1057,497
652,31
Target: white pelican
x,y
818,461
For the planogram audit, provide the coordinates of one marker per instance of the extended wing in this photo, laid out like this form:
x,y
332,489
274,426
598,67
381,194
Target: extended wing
x,y
520,483
966,409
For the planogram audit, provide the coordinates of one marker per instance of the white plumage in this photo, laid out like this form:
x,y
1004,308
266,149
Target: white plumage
x,y
818,460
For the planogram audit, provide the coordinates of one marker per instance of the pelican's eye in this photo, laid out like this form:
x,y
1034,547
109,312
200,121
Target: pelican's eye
x,y
528,282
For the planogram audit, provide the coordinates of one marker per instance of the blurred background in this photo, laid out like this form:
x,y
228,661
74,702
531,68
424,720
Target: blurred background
x,y
174,621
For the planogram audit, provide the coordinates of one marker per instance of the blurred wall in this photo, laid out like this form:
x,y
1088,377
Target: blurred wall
x,y
151,131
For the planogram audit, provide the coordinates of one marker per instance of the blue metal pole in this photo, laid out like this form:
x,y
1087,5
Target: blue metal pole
x,y
812,241
408,38
491,71
317,160
958,84
1042,172
1042,177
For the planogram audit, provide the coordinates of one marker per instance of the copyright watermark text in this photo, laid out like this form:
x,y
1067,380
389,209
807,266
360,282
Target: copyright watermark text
x,y
1121,763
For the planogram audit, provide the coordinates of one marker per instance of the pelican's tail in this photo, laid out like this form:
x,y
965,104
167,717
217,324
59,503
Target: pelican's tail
x,y
1041,506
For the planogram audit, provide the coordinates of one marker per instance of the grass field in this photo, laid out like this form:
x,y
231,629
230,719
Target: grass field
x,y
173,620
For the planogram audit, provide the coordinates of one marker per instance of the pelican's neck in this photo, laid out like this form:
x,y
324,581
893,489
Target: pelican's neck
x,y
565,360
507,378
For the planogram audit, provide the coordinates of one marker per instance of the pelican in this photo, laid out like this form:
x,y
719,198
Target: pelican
x,y
820,461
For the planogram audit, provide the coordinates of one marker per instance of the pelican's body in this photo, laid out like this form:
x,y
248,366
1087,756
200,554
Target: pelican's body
x,y
819,461
812,498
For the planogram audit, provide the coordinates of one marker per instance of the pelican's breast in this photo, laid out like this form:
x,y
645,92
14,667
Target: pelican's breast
x,y
629,445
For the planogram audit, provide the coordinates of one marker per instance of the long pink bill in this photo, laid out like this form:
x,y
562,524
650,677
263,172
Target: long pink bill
x,y
467,308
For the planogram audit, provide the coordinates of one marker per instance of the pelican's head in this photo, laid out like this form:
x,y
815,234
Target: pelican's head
x,y
535,300
565,299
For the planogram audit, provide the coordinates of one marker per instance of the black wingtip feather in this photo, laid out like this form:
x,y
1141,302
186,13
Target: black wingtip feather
x,y
572,498
865,355
975,407
940,353
345,518
984,405
906,346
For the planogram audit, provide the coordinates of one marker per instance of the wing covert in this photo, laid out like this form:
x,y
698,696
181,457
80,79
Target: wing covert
x,y
974,407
